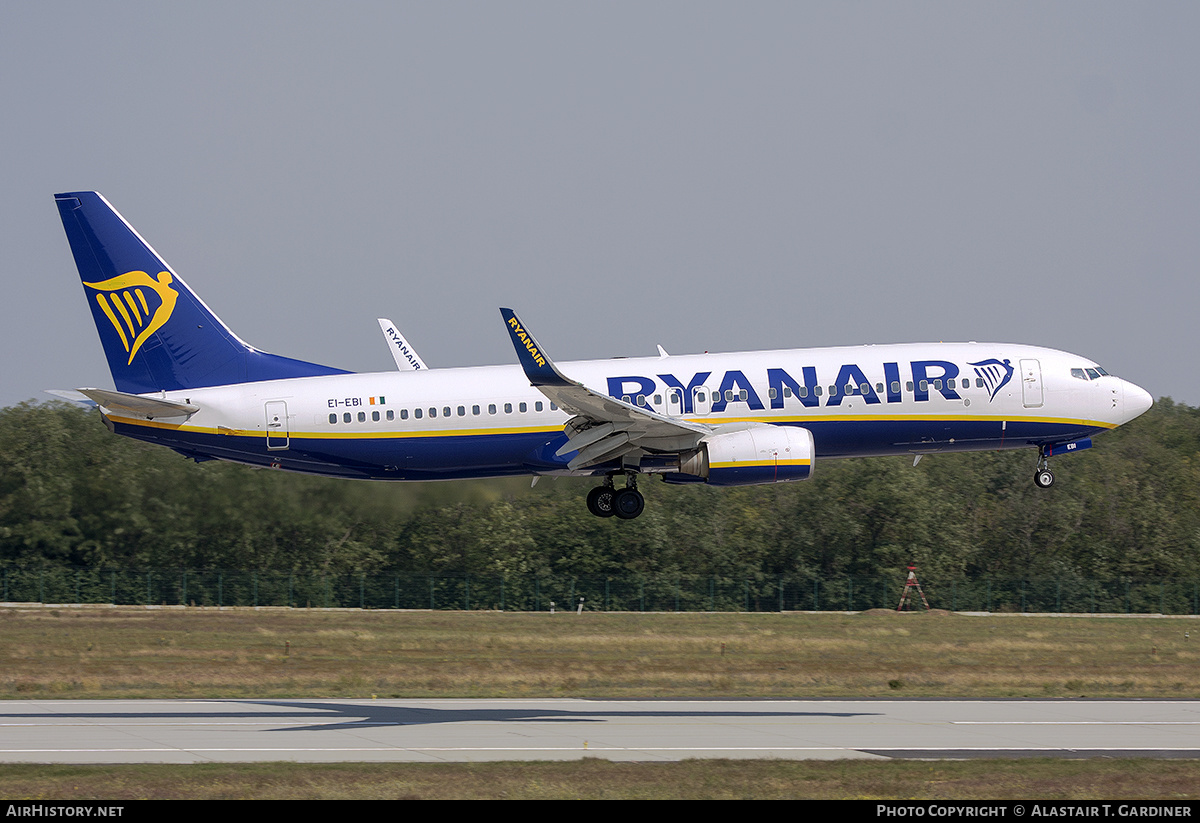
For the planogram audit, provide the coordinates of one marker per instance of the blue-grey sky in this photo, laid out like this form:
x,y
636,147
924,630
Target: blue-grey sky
x,y
708,176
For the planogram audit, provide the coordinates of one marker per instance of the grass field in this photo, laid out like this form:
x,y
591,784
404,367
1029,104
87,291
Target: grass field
x,y
102,652
1043,779
99,652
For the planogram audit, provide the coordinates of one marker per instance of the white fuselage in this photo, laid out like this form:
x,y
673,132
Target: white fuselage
x,y
489,421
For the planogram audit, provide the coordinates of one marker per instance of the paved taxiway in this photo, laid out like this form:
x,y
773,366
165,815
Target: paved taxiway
x,y
194,731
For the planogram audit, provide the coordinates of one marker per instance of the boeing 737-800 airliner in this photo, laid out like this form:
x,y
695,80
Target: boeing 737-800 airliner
x,y
184,380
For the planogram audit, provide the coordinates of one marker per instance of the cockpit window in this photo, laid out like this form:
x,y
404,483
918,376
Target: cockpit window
x,y
1089,373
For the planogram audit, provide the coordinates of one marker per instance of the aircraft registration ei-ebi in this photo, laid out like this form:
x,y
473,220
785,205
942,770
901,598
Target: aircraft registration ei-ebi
x,y
186,381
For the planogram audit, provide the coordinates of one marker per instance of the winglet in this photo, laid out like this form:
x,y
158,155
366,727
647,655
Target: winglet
x,y
534,360
403,353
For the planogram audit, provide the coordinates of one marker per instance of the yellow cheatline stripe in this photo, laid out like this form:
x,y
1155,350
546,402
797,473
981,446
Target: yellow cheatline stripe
x,y
744,463
393,435
112,318
359,435
907,418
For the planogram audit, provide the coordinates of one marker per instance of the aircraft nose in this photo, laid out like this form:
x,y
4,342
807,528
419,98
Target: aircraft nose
x,y
1137,401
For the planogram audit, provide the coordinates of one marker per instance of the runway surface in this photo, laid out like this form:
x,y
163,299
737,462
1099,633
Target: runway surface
x,y
325,731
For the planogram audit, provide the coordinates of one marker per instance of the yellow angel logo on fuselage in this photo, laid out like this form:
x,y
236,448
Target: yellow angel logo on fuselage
x,y
123,301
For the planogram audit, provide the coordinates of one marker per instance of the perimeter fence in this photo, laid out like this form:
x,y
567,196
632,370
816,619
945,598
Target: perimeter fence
x,y
682,593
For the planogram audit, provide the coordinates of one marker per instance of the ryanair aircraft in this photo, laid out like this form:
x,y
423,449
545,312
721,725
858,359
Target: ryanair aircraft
x,y
186,381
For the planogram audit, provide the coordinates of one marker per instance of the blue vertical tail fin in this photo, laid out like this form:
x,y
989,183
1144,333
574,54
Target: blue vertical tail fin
x,y
157,334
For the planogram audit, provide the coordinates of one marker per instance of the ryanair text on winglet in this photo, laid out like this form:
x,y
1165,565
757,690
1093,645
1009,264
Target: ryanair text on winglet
x,y
532,349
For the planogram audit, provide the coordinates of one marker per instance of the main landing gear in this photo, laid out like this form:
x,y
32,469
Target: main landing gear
x,y
626,503
1043,478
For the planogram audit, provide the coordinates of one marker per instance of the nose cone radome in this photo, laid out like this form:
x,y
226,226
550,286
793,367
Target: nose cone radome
x,y
1137,401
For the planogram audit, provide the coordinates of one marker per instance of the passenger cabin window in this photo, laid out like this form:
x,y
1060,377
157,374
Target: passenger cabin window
x,y
333,418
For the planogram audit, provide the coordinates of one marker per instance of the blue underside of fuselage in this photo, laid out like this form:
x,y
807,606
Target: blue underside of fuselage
x,y
452,457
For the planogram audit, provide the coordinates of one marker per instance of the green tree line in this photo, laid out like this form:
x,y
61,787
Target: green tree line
x,y
72,494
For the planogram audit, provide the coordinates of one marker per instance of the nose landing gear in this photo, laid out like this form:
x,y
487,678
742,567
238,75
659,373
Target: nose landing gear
x,y
1043,478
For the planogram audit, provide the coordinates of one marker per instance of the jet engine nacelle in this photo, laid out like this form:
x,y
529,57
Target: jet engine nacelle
x,y
749,457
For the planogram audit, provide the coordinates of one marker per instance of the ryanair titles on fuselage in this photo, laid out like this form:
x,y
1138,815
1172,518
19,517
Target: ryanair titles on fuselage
x,y
940,376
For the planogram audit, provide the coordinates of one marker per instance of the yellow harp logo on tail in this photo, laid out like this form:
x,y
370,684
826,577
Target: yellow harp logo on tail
x,y
123,299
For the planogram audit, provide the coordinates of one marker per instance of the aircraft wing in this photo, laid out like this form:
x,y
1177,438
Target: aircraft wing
x,y
603,427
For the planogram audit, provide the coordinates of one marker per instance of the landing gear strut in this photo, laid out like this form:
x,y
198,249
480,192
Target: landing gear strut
x,y
1043,478
626,503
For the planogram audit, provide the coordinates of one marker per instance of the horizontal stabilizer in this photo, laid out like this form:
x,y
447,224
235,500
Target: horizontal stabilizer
x,y
72,397
147,407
